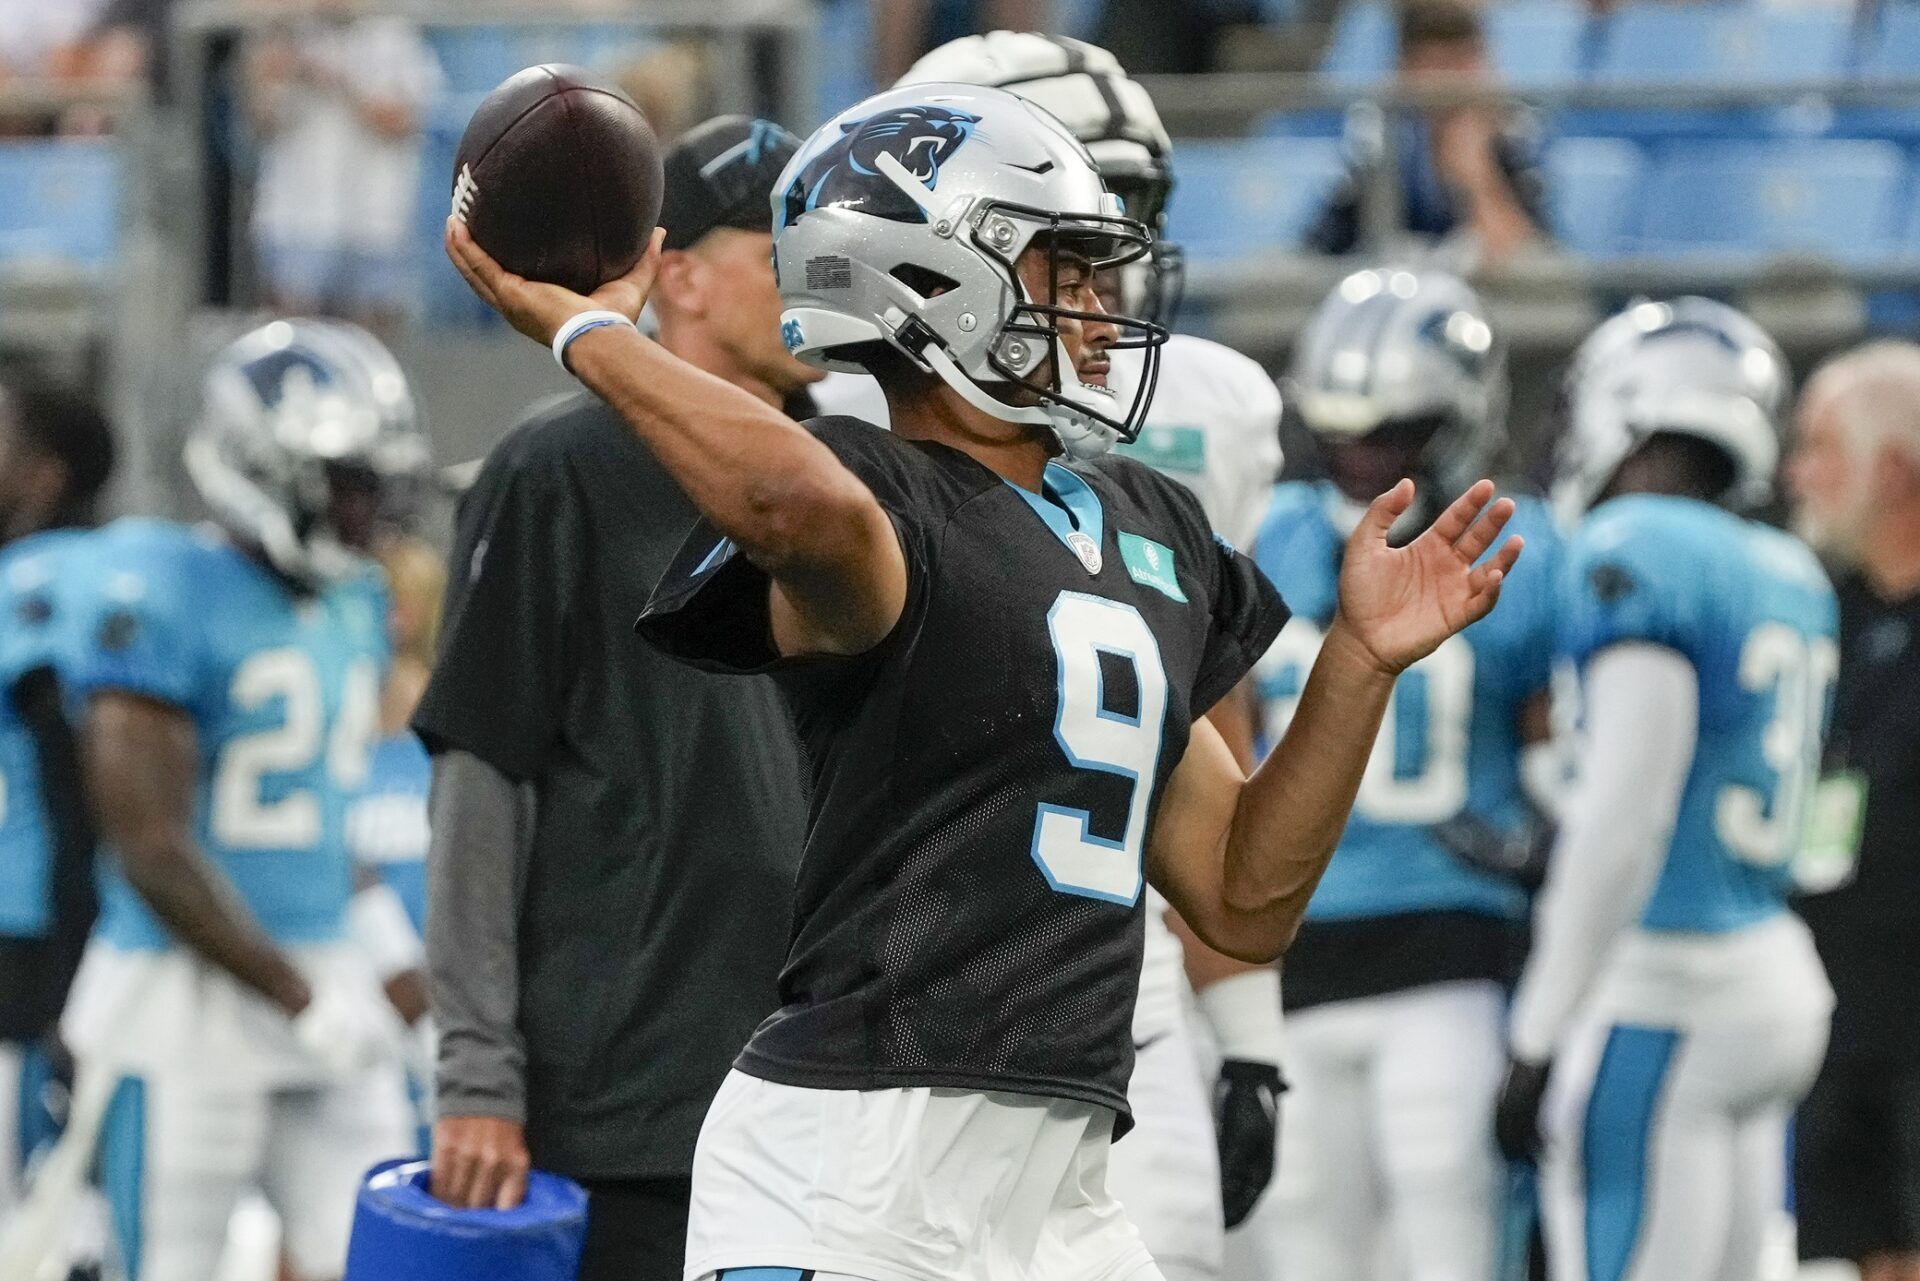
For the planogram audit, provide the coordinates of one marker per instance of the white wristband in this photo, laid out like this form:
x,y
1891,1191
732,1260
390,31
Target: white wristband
x,y
379,926
1245,1013
580,324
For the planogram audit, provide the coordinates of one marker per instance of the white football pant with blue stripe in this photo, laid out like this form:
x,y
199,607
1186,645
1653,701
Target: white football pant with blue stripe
x,y
1666,1126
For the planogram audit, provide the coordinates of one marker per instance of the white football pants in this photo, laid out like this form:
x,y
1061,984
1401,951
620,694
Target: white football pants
x,y
1387,1166
1666,1148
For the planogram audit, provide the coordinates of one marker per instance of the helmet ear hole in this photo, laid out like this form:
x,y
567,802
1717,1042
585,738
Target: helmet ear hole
x,y
923,280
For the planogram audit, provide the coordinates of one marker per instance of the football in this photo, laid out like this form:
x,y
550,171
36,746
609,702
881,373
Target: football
x,y
558,177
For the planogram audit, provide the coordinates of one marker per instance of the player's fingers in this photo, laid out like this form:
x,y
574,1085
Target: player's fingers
x,y
1461,512
473,264
1482,532
513,1188
1386,509
1485,580
452,1176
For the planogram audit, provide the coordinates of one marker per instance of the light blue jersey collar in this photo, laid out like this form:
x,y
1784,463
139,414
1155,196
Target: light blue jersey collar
x,y
1068,505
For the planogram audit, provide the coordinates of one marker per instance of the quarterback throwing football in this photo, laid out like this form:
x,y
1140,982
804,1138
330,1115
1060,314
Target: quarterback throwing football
x,y
998,646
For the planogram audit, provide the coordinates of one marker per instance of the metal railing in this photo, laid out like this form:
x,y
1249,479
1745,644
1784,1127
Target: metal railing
x,y
1258,301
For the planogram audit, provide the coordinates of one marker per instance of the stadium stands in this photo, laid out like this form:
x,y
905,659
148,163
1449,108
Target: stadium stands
x,y
59,202
1241,197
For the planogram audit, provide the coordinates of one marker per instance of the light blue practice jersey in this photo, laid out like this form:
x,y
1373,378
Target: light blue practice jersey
x,y
1752,610
387,826
1451,740
283,690
33,572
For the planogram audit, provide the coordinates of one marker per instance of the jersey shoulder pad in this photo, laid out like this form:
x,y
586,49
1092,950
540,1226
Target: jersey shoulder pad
x,y
1644,568
1784,557
1161,498
1299,549
910,477
1239,379
1296,514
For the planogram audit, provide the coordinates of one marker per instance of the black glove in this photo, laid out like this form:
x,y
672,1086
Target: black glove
x,y
1516,1116
1246,1116
1519,856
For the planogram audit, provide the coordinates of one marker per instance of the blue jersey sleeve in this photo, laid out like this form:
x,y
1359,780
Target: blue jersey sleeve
x,y
1629,574
137,628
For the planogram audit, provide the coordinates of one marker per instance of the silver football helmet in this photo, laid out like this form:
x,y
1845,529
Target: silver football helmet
x,y
901,221
1410,356
1691,366
292,414
1090,92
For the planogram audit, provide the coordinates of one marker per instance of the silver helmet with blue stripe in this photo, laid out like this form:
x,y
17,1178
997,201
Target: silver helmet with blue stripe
x,y
306,429
1401,372
1689,367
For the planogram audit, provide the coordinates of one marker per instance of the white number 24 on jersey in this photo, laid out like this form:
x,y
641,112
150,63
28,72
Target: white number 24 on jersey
x,y
1072,858
242,816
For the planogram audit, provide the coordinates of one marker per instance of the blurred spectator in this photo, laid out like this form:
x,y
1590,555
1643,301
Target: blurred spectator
x,y
44,38
905,29
1457,169
1855,477
336,99
672,85
132,38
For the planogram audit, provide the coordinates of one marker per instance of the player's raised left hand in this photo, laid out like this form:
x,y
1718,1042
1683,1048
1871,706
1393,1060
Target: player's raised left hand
x,y
1399,603
538,309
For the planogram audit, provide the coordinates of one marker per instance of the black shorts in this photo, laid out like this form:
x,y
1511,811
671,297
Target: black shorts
x,y
1857,1160
636,1229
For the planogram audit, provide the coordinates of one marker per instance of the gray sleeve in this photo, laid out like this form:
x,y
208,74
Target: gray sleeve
x,y
476,876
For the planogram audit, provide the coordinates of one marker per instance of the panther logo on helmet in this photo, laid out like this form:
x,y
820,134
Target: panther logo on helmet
x,y
847,172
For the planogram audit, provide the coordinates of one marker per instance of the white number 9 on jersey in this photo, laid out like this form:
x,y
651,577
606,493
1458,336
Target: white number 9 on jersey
x,y
1073,859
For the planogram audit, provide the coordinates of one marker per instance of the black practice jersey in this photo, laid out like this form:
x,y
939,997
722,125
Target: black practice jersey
x,y
968,912
1864,927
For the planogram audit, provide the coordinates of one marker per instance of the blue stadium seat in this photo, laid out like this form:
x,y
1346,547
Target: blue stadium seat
x,y
1537,43
1836,198
844,74
1724,42
60,200
1892,44
1592,184
475,59
1363,45
1242,196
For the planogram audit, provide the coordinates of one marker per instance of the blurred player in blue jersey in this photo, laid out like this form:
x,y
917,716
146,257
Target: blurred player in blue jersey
x,y
232,678
56,453
1673,1011
1395,988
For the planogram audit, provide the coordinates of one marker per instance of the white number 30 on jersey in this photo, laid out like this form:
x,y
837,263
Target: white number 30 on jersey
x,y
1073,859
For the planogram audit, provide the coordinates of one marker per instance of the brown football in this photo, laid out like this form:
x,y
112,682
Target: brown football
x,y
558,177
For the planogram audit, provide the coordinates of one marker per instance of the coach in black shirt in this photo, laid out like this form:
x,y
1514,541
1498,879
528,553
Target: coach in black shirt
x,y
614,835
1856,482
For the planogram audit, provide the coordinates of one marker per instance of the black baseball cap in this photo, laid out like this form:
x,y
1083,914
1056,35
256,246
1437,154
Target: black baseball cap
x,y
722,174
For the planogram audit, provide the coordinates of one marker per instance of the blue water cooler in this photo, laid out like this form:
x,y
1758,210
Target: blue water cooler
x,y
400,1233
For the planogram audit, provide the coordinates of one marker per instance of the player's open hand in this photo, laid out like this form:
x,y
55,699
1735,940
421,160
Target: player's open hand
x,y
537,309
1399,603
